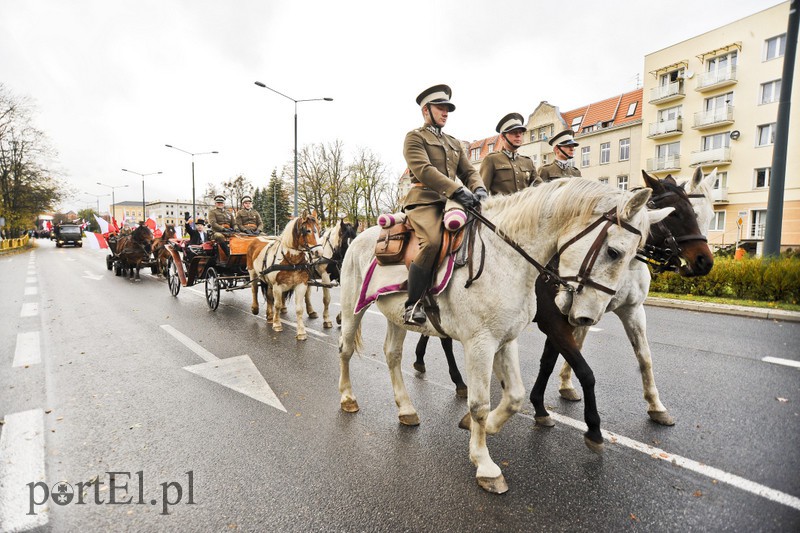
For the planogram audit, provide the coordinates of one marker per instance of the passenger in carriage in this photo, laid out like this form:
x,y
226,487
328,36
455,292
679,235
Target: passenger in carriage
x,y
248,220
196,231
221,223
439,170
563,145
508,171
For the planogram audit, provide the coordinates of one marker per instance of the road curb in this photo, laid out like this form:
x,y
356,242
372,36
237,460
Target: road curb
x,y
725,309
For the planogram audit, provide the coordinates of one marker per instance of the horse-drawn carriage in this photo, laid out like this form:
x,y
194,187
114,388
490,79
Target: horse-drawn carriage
x,y
131,252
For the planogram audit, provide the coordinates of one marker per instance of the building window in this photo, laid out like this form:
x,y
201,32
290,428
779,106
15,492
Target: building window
x,y
722,63
719,140
766,135
585,152
604,181
605,153
622,182
632,109
476,153
668,150
770,92
543,133
758,223
544,159
624,149
588,129
535,158
576,123
775,47
722,181
761,180
491,147
720,102
718,222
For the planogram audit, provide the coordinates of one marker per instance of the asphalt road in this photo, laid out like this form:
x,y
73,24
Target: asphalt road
x,y
110,392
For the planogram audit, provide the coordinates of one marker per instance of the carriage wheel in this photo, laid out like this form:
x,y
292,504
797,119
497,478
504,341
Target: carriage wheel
x,y
212,289
109,262
173,281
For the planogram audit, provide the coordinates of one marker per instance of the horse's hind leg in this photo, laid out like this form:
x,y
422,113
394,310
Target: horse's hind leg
x,y
422,346
254,282
393,348
593,437
546,366
452,367
326,302
277,295
300,292
349,341
566,389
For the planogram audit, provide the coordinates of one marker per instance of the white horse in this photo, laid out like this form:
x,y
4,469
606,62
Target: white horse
x,y
488,317
628,305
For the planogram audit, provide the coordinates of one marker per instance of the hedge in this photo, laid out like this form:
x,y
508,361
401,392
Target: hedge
x,y
775,280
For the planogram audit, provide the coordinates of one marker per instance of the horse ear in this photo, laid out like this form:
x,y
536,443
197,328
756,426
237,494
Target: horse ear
x,y
652,182
635,203
710,179
657,215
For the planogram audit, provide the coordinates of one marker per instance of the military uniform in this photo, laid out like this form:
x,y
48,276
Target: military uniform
x,y
220,219
507,172
555,171
248,220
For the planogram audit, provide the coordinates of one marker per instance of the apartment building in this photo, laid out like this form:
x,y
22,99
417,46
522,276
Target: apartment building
x,y
712,102
172,212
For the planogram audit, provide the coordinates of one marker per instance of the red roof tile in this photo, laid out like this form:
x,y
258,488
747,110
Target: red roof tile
x,y
612,110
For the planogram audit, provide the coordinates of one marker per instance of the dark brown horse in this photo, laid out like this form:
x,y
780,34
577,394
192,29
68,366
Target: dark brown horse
x,y
160,253
133,250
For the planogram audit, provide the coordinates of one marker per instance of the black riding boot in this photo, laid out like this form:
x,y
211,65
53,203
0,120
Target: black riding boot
x,y
418,278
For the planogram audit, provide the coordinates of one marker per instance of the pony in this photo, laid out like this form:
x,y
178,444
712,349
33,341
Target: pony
x,y
160,252
553,218
691,257
133,250
327,267
283,264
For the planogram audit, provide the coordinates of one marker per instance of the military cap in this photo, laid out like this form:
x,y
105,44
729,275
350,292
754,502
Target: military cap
x,y
438,95
246,199
565,138
219,198
510,122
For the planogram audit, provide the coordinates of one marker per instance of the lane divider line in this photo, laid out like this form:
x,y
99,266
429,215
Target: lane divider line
x,y
21,462
27,351
779,361
29,309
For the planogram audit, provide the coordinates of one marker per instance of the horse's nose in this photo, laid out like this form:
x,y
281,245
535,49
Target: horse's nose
x,y
704,264
581,321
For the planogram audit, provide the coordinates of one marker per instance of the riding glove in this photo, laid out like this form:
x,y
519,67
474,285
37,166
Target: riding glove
x,y
481,194
465,197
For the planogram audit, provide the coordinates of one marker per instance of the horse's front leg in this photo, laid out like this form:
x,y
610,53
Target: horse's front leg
x,y
277,295
506,368
254,281
393,348
635,322
422,346
565,388
309,307
300,292
452,367
546,366
349,341
326,301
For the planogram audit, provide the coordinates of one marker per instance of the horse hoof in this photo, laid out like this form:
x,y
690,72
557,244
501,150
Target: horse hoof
x,y
277,328
495,485
409,420
661,417
254,311
284,311
301,336
339,319
544,421
350,406
327,325
313,314
596,447
465,422
461,391
570,394
419,367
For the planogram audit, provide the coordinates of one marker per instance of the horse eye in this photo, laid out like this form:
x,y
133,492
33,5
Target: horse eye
x,y
613,254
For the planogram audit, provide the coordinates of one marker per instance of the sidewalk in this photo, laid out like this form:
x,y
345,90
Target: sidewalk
x,y
726,309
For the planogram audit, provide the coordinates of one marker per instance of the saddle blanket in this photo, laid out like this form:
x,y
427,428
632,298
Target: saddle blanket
x,y
389,279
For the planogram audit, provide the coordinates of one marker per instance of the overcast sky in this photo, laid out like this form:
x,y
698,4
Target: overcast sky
x,y
113,81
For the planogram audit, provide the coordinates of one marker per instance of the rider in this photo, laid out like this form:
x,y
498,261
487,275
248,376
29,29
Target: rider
x,y
221,223
563,149
439,170
248,220
508,171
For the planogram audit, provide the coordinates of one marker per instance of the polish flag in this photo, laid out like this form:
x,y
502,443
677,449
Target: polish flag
x,y
102,223
151,223
95,241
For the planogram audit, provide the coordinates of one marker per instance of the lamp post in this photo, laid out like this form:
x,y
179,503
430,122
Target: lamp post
x,y
295,131
275,205
113,198
194,210
97,196
144,212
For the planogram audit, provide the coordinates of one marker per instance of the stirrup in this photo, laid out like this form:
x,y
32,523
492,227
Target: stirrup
x,y
415,315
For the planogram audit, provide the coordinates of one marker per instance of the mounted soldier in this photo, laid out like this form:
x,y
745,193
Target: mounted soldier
x,y
563,149
248,220
221,223
508,171
439,170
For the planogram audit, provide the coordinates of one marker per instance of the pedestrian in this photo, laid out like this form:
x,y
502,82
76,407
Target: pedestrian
x,y
248,220
508,171
563,149
439,170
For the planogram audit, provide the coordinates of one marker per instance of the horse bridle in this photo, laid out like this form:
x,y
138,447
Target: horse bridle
x,y
666,256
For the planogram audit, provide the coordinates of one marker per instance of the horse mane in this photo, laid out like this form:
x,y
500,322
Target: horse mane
x,y
563,201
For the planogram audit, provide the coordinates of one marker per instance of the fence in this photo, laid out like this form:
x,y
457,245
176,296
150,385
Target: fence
x,y
10,244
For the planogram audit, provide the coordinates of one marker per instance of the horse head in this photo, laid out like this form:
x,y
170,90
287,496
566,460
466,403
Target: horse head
x,y
678,237
304,231
143,237
347,232
699,192
169,233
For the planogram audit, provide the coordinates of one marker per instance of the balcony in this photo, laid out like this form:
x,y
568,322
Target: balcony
x,y
713,118
666,128
719,195
716,156
663,164
667,93
716,79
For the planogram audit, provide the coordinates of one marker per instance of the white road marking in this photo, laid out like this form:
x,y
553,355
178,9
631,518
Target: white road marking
x,y
30,279
31,291
29,309
592,328
27,350
779,361
240,374
89,275
21,462
370,311
189,343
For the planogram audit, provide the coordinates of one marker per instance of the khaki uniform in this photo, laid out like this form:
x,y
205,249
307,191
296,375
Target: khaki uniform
x,y
220,220
248,219
436,164
553,171
503,175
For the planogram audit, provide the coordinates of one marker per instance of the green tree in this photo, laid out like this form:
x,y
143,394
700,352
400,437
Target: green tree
x,y
88,215
276,208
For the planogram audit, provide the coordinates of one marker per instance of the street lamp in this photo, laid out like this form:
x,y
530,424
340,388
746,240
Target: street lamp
x,y
295,131
144,212
113,200
97,196
194,211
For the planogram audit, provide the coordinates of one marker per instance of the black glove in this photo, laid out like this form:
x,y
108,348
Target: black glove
x,y
481,194
464,197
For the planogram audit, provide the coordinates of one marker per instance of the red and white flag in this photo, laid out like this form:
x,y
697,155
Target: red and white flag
x,y
95,241
102,223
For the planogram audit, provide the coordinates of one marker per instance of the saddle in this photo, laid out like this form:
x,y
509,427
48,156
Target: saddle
x,y
398,242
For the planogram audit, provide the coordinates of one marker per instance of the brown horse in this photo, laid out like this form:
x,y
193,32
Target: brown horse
x,y
283,264
160,253
133,250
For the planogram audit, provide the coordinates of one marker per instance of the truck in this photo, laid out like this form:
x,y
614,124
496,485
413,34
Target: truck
x,y
68,234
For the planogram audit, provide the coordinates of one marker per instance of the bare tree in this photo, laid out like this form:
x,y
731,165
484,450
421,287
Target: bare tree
x,y
235,189
369,174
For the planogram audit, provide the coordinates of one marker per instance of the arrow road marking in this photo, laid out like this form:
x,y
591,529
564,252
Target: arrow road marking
x,y
89,275
204,354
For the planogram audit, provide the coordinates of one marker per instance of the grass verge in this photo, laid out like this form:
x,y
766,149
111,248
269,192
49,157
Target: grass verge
x,y
727,301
